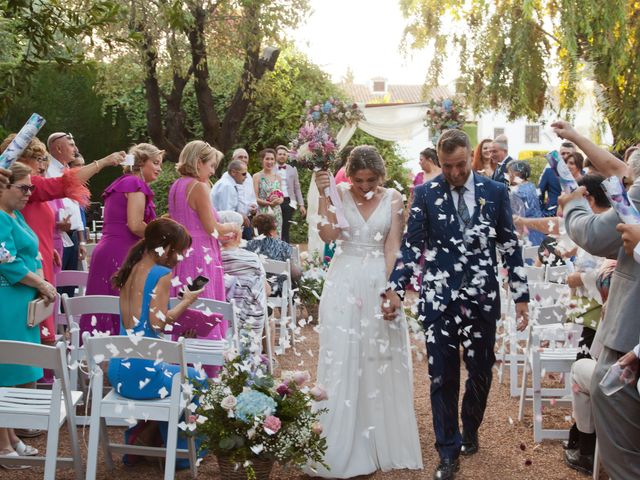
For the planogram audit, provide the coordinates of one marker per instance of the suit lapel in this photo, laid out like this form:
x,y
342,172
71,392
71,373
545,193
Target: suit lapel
x,y
478,183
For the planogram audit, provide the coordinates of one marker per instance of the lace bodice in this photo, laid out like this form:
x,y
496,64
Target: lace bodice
x,y
365,238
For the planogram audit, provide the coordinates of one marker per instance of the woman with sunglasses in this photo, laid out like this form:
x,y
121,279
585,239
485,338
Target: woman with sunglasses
x,y
190,205
20,282
38,212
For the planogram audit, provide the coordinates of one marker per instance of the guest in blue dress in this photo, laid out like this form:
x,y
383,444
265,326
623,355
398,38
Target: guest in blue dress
x,y
144,281
524,197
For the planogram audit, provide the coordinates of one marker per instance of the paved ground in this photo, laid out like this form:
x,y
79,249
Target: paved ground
x,y
507,448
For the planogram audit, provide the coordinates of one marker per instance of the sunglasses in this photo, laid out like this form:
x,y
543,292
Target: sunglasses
x,y
25,189
62,135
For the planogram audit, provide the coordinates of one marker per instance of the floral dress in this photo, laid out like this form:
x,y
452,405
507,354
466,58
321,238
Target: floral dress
x,y
265,188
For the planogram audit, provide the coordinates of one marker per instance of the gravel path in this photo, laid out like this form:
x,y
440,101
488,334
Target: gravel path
x,y
506,451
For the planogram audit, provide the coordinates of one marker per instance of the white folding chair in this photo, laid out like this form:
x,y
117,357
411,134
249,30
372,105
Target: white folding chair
x,y
208,351
284,301
295,256
41,409
558,274
69,278
530,253
535,274
96,229
113,405
73,309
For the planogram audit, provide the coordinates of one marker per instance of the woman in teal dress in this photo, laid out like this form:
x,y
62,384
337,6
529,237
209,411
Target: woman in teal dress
x,y
20,282
267,186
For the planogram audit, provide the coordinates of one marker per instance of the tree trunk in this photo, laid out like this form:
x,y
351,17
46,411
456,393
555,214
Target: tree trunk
x,y
206,107
175,116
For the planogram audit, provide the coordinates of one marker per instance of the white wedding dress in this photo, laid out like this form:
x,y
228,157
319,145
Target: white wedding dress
x,y
364,361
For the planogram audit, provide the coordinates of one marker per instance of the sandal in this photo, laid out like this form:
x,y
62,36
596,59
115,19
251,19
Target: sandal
x,y
12,467
28,432
25,450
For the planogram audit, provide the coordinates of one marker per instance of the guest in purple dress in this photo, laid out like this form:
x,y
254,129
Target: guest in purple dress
x,y
190,205
128,208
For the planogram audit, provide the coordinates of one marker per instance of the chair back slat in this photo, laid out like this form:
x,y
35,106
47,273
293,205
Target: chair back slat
x,y
101,349
276,267
210,306
548,292
548,315
33,354
72,278
558,274
91,304
535,274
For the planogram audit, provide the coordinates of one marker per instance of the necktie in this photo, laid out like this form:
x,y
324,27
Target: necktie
x,y
463,210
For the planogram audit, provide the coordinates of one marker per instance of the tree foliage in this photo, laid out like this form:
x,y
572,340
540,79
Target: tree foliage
x,y
33,31
175,49
510,49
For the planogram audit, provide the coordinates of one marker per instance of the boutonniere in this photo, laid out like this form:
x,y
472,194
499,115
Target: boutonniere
x,y
482,202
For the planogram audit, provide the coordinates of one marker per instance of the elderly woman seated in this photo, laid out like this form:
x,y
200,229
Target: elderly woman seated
x,y
268,243
250,290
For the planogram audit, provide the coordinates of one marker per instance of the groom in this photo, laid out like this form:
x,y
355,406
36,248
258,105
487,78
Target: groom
x,y
458,221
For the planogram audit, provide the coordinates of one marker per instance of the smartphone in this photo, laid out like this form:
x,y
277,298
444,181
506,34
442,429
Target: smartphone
x,y
199,282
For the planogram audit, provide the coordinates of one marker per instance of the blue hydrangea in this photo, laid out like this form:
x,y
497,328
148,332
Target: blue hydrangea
x,y
252,404
447,104
315,115
326,108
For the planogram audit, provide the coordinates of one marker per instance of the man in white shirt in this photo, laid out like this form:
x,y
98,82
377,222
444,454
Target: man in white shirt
x,y
249,193
229,194
64,151
290,186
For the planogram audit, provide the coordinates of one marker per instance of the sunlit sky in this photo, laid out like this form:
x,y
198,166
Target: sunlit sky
x,y
364,35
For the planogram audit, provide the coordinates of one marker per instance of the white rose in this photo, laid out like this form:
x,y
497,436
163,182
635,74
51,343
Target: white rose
x,y
229,402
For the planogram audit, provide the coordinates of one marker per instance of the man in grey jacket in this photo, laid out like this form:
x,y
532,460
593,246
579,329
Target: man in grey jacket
x,y
617,417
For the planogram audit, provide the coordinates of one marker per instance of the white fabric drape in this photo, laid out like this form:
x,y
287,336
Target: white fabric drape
x,y
387,122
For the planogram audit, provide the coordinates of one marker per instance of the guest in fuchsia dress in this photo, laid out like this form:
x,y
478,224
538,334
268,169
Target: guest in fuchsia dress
x,y
40,216
128,208
190,205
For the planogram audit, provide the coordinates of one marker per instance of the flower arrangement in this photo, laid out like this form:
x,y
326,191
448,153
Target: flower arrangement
x,y
246,417
312,281
314,147
444,114
332,110
275,194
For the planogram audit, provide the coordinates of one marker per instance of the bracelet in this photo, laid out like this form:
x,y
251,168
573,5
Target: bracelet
x,y
82,243
98,165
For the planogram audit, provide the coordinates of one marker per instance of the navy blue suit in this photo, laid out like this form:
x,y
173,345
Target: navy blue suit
x,y
459,300
549,186
500,173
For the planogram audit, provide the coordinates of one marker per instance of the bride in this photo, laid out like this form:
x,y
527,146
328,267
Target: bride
x,y
364,361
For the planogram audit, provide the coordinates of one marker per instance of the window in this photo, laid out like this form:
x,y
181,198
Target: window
x,y
379,86
532,134
498,131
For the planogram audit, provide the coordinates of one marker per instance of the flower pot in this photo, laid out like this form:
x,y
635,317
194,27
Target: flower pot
x,y
261,466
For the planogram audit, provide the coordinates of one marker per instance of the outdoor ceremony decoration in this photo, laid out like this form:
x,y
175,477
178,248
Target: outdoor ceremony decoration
x,y
311,283
333,110
557,163
444,114
21,140
251,421
617,195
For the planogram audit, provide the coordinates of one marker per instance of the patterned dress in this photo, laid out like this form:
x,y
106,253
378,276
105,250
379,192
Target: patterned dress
x,y
265,187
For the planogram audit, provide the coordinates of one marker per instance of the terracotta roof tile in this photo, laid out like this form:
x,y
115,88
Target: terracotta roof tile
x,y
357,92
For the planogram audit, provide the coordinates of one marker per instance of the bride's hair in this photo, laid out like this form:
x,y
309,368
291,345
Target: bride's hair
x,y
365,157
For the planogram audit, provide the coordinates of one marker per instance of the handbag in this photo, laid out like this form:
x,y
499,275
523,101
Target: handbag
x,y
38,311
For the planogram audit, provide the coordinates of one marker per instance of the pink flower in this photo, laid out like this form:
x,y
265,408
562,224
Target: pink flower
x,y
301,377
283,389
192,419
316,428
272,424
318,393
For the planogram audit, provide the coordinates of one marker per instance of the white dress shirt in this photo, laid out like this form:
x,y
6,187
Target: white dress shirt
x,y
55,170
249,192
282,173
225,194
469,195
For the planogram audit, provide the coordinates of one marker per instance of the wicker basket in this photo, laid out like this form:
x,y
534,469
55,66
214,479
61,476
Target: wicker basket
x,y
228,470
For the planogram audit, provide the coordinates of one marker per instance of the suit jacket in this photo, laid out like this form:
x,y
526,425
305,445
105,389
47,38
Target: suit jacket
x,y
620,327
293,185
434,230
499,174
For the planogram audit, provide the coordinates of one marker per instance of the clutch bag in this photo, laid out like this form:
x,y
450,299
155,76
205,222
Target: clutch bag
x,y
38,311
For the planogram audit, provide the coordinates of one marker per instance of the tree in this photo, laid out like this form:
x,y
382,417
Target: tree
x,y
509,49
176,46
36,31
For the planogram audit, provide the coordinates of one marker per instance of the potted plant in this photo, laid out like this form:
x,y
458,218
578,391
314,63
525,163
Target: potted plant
x,y
250,421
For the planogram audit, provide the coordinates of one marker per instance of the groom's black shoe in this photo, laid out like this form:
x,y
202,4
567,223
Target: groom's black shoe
x,y
470,444
447,469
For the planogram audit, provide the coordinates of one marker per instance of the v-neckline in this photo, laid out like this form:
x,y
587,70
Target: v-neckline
x,y
373,212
